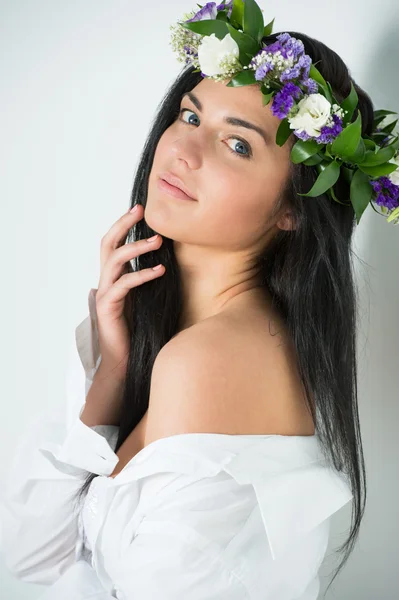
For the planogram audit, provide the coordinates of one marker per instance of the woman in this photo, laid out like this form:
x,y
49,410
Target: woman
x,y
219,430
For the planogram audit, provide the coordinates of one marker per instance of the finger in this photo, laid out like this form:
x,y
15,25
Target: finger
x,y
116,235
116,264
119,290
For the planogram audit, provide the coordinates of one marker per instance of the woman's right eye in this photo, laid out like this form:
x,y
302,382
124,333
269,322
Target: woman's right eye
x,y
183,110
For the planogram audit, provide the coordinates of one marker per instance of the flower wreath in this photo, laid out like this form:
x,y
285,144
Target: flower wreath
x,y
225,41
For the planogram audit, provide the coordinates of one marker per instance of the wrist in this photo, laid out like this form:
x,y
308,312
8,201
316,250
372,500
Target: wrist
x,y
115,375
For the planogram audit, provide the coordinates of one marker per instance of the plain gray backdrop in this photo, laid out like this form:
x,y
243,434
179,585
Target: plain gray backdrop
x,y
80,83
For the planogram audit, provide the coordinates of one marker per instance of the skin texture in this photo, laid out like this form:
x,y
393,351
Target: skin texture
x,y
232,356
216,238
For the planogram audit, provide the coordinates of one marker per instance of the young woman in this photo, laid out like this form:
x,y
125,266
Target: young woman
x,y
219,431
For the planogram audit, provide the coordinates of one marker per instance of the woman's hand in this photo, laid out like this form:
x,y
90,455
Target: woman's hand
x,y
113,287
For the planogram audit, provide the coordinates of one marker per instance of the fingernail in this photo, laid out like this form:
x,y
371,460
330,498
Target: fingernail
x,y
134,208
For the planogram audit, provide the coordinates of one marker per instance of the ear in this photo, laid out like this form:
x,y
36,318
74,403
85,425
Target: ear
x,y
286,221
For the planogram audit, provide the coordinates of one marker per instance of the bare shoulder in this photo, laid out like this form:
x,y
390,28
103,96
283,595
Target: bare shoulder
x,y
231,374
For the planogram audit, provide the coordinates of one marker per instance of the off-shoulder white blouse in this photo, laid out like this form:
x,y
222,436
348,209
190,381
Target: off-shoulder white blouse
x,y
194,516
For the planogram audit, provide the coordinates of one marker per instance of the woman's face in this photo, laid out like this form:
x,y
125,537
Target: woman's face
x,y
235,173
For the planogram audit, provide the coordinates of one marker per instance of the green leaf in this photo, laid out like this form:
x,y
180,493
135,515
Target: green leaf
x,y
350,104
348,140
207,27
359,154
268,29
379,170
222,16
371,159
316,159
245,77
347,173
360,193
379,115
266,98
253,23
247,45
394,215
283,132
334,100
395,144
326,179
237,13
370,144
302,150
315,74
389,128
334,196
383,113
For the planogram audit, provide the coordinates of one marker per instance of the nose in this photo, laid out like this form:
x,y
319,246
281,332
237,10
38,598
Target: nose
x,y
188,148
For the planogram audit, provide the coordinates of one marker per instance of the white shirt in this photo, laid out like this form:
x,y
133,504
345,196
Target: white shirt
x,y
194,516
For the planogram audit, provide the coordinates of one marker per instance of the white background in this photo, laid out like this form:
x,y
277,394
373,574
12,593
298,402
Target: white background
x,y
80,82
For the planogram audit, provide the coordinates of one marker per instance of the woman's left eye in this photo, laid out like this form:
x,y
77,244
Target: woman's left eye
x,y
241,141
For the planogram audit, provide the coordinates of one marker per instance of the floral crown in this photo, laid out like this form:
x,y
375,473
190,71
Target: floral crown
x,y
225,41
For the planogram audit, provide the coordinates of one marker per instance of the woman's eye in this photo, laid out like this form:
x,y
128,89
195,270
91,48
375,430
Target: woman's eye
x,y
185,110
241,142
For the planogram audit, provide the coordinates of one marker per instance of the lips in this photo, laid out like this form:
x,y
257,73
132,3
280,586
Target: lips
x,y
176,182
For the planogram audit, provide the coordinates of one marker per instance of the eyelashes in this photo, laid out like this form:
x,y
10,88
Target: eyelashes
x,y
234,137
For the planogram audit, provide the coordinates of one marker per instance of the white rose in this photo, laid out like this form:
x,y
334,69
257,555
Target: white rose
x,y
314,112
212,50
394,176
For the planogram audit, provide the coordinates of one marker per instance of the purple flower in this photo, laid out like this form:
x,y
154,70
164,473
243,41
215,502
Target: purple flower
x,y
297,64
311,85
283,101
291,73
263,69
302,135
328,134
291,44
387,193
305,62
287,45
208,11
299,70
277,47
228,5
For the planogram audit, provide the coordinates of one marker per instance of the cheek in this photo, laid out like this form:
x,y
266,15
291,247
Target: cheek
x,y
240,202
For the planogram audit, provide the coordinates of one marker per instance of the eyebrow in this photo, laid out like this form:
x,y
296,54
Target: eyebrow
x,y
232,120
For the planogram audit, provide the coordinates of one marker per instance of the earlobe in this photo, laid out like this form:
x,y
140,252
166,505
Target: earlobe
x,y
286,222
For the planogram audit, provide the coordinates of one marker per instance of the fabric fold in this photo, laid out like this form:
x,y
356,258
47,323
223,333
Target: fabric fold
x,y
81,448
87,342
296,488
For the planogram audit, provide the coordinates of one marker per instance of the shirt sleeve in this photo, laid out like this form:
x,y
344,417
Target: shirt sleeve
x,y
39,523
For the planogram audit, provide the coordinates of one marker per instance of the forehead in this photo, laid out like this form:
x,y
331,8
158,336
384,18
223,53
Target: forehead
x,y
244,101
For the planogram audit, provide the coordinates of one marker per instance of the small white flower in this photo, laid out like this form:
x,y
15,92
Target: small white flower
x,y
394,176
212,50
313,113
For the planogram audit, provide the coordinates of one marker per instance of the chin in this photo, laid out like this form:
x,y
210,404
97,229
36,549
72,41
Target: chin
x,y
159,217
166,217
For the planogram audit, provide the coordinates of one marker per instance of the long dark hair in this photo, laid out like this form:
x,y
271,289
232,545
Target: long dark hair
x,y
307,271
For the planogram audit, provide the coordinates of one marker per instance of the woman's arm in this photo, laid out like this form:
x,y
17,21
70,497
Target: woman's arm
x,y
103,401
